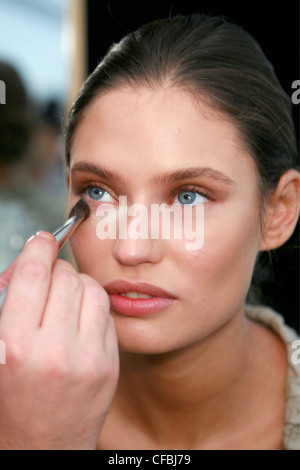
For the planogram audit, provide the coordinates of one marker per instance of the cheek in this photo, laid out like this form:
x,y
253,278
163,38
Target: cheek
x,y
230,259
89,251
225,262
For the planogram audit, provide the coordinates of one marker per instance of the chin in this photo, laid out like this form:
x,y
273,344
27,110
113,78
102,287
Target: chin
x,y
142,345
139,337
144,349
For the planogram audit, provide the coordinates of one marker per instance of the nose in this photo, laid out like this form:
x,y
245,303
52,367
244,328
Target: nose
x,y
133,252
136,246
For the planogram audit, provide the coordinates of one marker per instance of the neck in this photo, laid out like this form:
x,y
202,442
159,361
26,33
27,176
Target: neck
x,y
200,387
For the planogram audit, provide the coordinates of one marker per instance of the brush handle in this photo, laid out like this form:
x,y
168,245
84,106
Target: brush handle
x,y
62,235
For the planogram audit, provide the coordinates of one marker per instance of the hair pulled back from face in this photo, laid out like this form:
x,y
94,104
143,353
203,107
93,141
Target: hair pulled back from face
x,y
212,59
221,64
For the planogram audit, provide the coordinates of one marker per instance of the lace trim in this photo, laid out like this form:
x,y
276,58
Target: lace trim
x,y
276,323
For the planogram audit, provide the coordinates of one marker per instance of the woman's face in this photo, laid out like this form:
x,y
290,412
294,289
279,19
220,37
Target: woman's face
x,y
136,136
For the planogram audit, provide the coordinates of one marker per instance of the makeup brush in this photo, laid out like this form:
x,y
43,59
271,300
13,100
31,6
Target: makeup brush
x,y
78,214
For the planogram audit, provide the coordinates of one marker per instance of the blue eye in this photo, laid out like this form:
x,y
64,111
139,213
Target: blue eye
x,y
97,194
190,197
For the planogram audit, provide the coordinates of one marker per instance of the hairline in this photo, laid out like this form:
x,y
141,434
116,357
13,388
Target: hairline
x,y
205,99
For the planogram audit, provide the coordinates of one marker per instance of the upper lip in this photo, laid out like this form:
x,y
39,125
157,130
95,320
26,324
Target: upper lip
x,y
123,286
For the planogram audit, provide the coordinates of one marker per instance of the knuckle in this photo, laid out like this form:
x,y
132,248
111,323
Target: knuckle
x,y
34,270
91,372
57,371
99,372
57,366
96,293
63,264
110,378
14,348
68,279
112,373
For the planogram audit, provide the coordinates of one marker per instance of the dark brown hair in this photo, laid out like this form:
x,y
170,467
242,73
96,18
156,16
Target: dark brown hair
x,y
217,61
212,59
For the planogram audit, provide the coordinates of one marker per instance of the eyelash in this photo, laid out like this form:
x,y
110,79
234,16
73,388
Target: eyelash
x,y
188,188
195,189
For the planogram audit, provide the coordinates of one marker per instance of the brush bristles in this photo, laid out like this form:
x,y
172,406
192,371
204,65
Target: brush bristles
x,y
81,209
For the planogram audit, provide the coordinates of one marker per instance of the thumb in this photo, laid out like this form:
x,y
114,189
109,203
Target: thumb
x,y
5,276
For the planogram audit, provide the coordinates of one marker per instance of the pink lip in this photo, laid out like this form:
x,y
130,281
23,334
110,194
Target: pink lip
x,y
137,307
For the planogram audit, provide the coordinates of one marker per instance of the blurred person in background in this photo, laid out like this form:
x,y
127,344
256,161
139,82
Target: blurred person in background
x,y
27,203
48,148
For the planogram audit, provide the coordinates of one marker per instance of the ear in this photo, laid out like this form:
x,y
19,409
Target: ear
x,y
282,211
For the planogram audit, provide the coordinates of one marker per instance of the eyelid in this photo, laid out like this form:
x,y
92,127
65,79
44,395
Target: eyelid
x,y
186,187
195,189
92,184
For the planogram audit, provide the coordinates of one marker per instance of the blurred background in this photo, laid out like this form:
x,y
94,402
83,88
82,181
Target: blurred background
x,y
47,49
35,65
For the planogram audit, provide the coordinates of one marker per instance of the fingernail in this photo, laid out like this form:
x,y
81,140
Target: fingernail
x,y
44,235
41,234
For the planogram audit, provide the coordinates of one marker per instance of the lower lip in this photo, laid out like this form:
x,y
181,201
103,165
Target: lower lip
x,y
138,307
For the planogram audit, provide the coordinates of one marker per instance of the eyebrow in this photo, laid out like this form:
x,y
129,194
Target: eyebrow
x,y
162,178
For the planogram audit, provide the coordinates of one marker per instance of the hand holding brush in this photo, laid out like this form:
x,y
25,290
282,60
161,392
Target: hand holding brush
x,y
62,362
78,214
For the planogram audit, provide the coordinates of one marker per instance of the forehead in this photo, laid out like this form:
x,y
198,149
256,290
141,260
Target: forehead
x,y
144,129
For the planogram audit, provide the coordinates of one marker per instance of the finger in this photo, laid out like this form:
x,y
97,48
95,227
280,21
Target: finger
x,y
27,290
61,315
111,338
5,276
94,316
